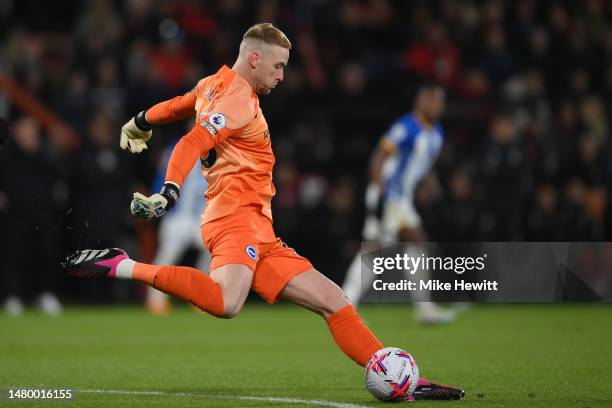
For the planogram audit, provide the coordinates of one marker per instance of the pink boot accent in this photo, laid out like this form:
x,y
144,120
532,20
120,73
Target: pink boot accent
x,y
112,263
423,381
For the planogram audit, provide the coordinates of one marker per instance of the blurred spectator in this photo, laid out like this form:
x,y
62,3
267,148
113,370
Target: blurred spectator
x,y
106,94
31,234
574,218
543,218
461,210
497,61
428,202
338,224
503,173
101,184
435,58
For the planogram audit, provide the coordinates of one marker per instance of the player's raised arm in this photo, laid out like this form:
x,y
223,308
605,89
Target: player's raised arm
x,y
137,131
231,114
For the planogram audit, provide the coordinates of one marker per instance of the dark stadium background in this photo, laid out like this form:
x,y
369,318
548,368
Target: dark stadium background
x,y
527,157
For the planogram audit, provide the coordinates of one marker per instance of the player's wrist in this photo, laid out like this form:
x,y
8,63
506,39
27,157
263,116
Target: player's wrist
x,y
141,121
171,192
210,159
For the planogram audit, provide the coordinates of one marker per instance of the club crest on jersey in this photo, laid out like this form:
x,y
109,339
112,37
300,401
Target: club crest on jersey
x,y
217,120
251,252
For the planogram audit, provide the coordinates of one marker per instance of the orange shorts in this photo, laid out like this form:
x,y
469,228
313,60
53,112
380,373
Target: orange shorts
x,y
247,237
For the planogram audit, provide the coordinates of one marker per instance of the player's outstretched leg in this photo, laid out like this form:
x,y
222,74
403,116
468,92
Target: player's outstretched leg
x,y
215,294
317,293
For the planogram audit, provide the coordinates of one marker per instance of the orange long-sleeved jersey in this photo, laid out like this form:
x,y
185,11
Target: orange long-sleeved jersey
x,y
229,119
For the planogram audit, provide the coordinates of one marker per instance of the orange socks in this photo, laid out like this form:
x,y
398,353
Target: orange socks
x,y
352,335
186,283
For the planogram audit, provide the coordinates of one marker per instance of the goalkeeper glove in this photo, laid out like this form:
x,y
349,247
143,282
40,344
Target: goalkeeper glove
x,y
157,205
136,133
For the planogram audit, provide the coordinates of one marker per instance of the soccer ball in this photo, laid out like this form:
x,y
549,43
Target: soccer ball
x,y
391,374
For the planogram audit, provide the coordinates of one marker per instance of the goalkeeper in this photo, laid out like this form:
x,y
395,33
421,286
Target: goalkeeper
x,y
232,140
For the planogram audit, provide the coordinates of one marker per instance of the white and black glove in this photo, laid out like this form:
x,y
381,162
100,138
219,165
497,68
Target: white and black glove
x,y
156,205
136,133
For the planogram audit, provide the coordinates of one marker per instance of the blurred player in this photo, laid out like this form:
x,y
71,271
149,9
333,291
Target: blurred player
x,y
237,222
179,230
404,156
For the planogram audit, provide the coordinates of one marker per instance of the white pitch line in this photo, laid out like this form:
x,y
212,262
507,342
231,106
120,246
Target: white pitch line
x,y
320,403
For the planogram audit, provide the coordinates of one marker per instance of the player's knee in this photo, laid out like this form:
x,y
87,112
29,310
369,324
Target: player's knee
x,y
231,308
234,286
230,314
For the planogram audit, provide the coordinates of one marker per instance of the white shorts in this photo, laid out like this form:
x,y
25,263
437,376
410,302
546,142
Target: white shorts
x,y
398,214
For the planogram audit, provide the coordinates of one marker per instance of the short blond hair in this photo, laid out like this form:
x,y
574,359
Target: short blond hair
x,y
269,34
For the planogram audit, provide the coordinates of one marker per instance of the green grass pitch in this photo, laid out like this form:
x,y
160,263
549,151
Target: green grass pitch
x,y
502,355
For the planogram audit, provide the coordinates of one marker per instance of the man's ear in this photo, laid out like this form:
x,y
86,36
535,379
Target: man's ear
x,y
254,57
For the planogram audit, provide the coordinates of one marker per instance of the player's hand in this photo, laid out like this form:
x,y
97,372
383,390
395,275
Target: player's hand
x,y
156,205
135,134
148,207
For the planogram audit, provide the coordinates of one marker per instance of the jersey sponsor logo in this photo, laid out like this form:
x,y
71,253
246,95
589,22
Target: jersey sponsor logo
x,y
251,252
267,134
209,127
217,120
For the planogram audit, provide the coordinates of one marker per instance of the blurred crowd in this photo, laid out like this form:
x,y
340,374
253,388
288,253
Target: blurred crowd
x,y
527,155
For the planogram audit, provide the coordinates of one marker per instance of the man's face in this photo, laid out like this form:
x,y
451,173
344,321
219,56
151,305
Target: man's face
x,y
502,130
432,103
268,68
27,135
